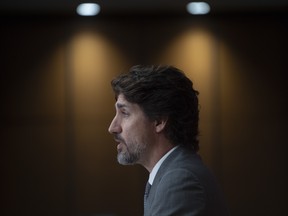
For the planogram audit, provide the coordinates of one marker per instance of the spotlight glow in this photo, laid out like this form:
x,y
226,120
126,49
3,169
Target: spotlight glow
x,y
198,8
88,9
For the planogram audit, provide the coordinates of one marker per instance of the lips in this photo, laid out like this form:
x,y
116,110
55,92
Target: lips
x,y
120,142
118,139
119,145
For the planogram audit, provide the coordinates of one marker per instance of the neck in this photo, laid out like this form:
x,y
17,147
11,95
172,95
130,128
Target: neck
x,y
155,154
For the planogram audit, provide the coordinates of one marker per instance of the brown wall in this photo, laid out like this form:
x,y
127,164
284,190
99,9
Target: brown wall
x,y
56,105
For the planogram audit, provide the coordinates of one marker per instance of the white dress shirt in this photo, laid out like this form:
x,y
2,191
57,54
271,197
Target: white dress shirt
x,y
157,166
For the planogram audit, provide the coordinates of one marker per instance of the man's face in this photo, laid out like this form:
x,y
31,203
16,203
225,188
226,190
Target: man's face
x,y
132,131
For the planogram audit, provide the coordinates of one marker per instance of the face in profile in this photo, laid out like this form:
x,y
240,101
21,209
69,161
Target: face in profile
x,y
133,132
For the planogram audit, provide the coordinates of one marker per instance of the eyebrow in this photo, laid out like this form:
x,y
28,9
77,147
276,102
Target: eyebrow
x,y
120,105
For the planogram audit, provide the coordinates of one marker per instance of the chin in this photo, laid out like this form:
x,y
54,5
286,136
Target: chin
x,y
124,159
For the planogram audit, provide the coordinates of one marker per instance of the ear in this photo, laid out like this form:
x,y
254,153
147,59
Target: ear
x,y
160,124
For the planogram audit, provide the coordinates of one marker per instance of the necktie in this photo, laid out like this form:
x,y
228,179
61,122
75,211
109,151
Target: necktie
x,y
147,189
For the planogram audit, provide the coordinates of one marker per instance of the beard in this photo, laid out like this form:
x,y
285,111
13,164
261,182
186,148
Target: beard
x,y
131,154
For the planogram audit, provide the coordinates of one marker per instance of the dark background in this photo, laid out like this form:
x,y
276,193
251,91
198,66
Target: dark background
x,y
57,157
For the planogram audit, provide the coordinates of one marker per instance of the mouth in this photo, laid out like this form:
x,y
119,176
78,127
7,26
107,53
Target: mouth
x,y
120,146
118,139
119,143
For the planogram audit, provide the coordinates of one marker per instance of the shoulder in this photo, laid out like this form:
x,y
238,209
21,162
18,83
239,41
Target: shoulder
x,y
183,168
185,183
182,160
178,191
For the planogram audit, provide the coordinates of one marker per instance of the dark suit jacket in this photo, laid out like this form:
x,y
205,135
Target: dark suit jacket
x,y
184,186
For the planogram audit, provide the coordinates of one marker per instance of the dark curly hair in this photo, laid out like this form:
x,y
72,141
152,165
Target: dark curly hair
x,y
164,92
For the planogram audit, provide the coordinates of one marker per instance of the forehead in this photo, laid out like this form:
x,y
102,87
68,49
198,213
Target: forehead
x,y
133,108
121,99
122,102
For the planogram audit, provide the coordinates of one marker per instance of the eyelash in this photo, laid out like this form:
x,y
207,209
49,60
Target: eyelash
x,y
124,113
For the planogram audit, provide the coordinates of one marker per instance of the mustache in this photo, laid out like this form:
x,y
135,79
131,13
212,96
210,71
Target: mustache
x,y
118,138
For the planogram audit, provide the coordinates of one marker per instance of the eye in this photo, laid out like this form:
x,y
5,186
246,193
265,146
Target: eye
x,y
124,112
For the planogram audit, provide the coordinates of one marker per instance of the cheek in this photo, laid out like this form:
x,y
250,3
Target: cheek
x,y
128,132
142,135
132,134
137,131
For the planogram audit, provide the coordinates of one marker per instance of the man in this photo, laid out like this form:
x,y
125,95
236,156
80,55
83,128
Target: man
x,y
156,126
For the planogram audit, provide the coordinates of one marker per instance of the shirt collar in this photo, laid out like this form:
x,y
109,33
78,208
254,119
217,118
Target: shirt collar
x,y
158,164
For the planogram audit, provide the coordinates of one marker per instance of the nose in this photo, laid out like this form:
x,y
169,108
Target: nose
x,y
114,127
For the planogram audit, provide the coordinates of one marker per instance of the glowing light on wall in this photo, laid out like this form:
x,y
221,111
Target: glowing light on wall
x,y
88,9
198,8
92,61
